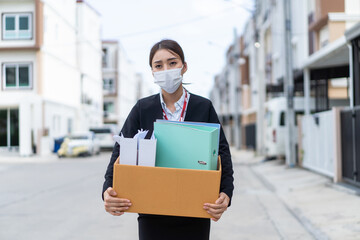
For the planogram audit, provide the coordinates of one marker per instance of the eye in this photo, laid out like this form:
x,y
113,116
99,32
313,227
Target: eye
x,y
173,63
158,66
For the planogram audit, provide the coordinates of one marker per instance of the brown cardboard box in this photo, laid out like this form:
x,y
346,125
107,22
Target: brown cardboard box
x,y
167,191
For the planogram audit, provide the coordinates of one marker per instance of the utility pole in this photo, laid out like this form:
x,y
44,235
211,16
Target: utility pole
x,y
236,56
289,89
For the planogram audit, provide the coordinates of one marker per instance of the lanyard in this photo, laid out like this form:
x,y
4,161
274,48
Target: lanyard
x,y
182,112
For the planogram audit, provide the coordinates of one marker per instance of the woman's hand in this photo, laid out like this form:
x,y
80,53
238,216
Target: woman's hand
x,y
113,205
220,206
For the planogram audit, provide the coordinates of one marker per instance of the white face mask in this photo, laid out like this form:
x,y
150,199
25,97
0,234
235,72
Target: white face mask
x,y
169,80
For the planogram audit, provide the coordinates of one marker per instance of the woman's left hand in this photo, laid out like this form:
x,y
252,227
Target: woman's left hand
x,y
220,206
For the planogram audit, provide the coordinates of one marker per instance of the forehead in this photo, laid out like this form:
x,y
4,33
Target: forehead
x,y
164,55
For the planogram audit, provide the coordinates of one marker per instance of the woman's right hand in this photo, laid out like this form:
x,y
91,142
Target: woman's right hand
x,y
113,205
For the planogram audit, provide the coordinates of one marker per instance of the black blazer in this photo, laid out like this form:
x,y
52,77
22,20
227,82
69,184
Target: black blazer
x,y
147,110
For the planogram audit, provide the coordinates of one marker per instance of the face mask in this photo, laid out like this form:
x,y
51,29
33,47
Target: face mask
x,y
169,80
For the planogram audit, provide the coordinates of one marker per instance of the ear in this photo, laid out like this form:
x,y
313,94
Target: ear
x,y
184,69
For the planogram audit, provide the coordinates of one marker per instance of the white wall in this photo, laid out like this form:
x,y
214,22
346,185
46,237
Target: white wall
x,y
352,7
300,41
60,31
90,62
278,38
60,75
127,87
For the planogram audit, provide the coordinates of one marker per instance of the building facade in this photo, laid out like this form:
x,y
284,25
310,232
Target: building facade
x,y
122,85
321,68
48,88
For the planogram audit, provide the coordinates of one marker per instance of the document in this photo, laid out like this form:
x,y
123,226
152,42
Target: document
x,y
216,125
188,146
137,150
147,152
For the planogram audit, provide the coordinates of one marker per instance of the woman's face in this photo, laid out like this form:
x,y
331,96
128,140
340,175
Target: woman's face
x,y
165,60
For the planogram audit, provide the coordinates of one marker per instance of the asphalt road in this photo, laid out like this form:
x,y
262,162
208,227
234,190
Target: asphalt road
x,y
61,199
58,200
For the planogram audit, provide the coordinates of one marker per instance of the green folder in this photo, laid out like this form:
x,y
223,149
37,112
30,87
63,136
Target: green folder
x,y
186,146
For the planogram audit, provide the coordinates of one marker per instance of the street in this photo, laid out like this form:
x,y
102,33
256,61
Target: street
x,y
61,199
58,200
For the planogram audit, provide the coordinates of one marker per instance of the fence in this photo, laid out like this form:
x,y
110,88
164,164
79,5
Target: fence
x,y
318,142
250,136
350,144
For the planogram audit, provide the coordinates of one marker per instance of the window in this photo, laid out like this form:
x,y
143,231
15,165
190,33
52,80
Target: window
x,y
282,118
108,85
9,127
69,126
324,36
109,107
17,26
104,58
17,76
268,117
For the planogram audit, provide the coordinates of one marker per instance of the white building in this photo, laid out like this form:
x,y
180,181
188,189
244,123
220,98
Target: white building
x,y
122,86
51,73
89,57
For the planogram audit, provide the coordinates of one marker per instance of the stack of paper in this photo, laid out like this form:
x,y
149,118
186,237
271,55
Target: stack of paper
x,y
187,145
137,150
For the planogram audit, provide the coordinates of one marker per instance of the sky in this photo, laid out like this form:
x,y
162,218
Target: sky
x,y
203,28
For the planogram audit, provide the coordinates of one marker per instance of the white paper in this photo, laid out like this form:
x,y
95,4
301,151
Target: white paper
x,y
137,150
147,152
128,151
140,135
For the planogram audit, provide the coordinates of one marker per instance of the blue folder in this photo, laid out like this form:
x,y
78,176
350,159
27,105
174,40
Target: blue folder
x,y
187,146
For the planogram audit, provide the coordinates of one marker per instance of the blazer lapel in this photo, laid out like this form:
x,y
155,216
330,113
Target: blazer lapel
x,y
189,113
154,113
157,113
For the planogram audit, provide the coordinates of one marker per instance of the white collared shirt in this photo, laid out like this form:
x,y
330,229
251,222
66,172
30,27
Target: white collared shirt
x,y
178,107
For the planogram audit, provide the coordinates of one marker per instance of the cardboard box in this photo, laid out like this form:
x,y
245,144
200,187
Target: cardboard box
x,y
167,191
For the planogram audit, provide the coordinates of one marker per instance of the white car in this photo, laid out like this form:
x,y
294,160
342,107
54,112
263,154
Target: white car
x,y
275,130
105,135
79,144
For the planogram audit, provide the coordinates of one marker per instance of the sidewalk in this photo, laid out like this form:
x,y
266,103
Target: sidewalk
x,y
325,209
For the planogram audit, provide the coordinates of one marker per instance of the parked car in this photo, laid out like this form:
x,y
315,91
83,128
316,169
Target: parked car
x,y
79,144
275,135
105,135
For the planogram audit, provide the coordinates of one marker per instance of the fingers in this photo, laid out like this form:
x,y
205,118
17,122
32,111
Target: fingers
x,y
116,213
220,199
218,208
113,205
215,216
111,191
116,204
215,211
214,206
117,209
115,200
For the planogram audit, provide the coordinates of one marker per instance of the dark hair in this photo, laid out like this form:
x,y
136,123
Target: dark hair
x,y
167,44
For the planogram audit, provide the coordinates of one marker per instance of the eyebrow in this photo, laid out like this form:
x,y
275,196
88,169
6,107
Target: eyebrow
x,y
169,59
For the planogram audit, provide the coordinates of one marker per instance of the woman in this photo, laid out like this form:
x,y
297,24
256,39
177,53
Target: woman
x,y
168,66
